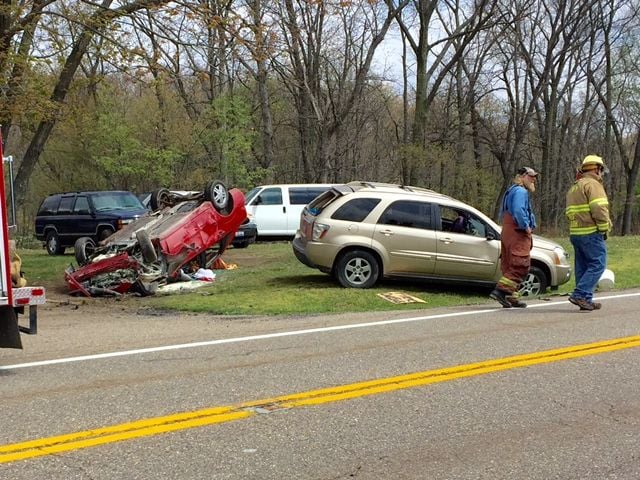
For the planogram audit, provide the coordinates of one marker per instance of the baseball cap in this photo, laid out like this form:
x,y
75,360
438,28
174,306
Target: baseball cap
x,y
527,171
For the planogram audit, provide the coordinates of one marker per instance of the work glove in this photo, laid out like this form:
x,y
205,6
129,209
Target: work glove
x,y
604,235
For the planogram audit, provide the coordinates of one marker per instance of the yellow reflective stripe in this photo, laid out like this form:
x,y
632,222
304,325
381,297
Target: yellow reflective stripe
x,y
582,230
603,226
584,207
506,281
599,201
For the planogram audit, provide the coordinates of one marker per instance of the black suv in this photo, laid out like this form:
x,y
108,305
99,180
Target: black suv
x,y
64,217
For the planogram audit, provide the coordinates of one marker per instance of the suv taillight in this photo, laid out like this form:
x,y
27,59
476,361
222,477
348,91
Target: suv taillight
x,y
319,231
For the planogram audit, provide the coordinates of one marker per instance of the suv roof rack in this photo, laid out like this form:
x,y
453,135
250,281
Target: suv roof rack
x,y
408,188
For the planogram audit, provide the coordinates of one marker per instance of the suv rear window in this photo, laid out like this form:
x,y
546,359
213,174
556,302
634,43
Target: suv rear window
x,y
355,210
49,205
407,213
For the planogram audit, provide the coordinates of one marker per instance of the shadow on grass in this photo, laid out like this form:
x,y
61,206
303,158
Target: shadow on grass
x,y
304,281
413,285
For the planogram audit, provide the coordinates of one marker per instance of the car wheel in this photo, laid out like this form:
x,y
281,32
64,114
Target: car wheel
x,y
160,199
357,269
53,244
83,249
534,284
105,233
149,253
217,193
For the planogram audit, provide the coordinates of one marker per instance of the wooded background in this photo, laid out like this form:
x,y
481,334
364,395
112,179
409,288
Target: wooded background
x,y
141,94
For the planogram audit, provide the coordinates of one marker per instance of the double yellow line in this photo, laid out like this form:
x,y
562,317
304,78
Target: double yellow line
x,y
210,416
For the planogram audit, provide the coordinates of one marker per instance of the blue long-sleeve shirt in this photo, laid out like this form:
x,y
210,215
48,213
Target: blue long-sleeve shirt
x,y
516,201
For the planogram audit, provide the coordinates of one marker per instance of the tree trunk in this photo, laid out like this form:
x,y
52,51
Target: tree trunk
x,y
98,22
630,194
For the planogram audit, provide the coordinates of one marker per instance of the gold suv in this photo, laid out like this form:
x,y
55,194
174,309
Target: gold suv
x,y
362,231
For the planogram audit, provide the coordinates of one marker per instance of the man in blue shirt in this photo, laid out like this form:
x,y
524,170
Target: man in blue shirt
x,y
518,223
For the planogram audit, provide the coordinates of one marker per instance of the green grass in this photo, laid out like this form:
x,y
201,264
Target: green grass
x,y
269,280
623,259
41,268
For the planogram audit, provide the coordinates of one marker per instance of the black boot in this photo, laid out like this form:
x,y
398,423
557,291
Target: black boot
x,y
513,300
500,297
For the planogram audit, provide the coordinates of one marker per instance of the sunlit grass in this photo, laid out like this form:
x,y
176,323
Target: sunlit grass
x,y
269,280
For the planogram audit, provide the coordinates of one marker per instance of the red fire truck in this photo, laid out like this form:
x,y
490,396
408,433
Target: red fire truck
x,y
13,298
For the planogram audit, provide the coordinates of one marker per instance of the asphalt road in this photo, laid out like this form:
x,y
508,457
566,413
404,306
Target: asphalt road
x,y
438,394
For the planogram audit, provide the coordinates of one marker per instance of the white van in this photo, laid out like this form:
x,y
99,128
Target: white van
x,y
276,209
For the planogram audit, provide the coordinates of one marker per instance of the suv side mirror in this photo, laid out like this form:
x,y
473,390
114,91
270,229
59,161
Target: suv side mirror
x,y
491,235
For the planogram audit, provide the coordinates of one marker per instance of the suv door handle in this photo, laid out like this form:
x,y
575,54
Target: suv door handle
x,y
386,232
446,240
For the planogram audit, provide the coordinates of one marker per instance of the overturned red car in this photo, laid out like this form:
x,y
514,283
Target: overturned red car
x,y
187,231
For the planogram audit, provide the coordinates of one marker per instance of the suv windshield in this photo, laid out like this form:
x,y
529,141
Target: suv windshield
x,y
116,201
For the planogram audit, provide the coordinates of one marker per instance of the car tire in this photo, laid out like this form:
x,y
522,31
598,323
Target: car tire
x,y
160,199
105,233
357,269
53,244
217,193
83,249
534,284
147,249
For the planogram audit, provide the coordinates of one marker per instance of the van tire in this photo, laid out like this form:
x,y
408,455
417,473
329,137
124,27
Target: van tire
x,y
357,269
218,194
52,243
83,249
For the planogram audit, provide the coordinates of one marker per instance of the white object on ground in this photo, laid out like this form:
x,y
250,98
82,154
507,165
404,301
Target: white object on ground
x,y
204,274
180,286
607,280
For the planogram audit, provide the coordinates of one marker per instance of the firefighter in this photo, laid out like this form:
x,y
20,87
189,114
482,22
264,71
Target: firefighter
x,y
589,224
518,223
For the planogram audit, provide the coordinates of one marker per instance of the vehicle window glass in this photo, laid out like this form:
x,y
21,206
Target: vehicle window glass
x,y
65,205
321,202
82,206
355,210
49,205
304,195
249,196
103,201
270,196
457,220
407,213
477,227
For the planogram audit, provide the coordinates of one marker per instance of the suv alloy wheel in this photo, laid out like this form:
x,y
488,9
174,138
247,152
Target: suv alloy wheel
x,y
357,269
